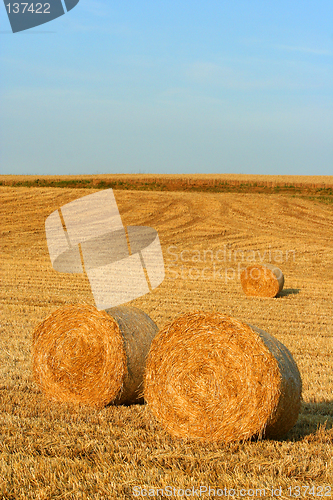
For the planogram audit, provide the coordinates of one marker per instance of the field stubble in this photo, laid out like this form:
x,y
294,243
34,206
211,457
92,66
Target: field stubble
x,y
61,451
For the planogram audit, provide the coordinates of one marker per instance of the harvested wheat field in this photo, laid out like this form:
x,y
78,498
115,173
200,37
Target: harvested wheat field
x,y
67,451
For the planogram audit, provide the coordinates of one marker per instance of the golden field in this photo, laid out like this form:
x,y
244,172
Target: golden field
x,y
60,451
296,180
318,186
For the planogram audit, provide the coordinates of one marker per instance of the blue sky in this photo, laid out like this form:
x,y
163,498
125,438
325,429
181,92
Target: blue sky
x,y
164,86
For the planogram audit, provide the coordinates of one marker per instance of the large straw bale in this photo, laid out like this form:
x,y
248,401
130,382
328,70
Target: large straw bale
x,y
264,280
210,377
83,355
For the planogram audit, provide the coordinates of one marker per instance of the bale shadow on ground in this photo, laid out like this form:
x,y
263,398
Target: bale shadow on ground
x,y
288,291
311,417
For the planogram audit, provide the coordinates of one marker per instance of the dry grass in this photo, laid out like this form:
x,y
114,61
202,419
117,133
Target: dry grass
x,y
79,356
262,280
319,188
212,378
272,180
61,451
137,330
82,355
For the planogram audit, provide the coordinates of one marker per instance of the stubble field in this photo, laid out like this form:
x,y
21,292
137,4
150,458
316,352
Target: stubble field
x,y
60,451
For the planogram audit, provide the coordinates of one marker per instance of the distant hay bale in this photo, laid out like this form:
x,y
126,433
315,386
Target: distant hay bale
x,y
210,377
83,355
264,280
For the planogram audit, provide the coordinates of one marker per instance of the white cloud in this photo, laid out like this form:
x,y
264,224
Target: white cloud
x,y
94,7
253,74
307,50
51,71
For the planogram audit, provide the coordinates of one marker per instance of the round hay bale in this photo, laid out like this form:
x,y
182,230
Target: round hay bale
x,y
210,377
83,355
264,280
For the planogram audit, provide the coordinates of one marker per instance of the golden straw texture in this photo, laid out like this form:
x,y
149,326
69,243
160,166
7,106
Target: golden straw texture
x,y
262,280
211,377
80,354
138,331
